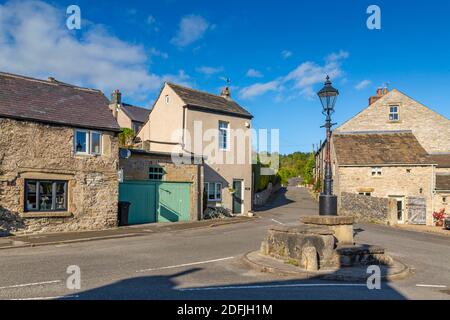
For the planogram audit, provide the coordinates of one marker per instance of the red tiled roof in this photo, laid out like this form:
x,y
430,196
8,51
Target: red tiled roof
x,y
54,102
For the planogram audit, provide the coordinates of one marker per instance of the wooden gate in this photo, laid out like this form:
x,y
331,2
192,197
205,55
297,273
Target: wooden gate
x,y
417,210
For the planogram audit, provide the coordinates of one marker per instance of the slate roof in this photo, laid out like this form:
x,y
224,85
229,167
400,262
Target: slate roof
x,y
442,160
443,182
137,114
54,102
379,149
209,102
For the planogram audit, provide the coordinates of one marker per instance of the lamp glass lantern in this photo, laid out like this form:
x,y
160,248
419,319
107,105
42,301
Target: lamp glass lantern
x,y
328,96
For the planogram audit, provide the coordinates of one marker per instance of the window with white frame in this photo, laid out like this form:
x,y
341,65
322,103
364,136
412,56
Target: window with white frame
x,y
223,135
213,191
376,172
393,113
88,142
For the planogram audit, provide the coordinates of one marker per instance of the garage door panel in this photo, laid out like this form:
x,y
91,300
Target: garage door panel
x,y
142,197
174,202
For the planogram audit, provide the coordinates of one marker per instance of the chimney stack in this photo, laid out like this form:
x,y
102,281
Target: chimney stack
x,y
116,102
380,93
226,93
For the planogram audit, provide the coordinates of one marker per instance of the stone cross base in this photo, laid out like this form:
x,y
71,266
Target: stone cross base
x,y
341,225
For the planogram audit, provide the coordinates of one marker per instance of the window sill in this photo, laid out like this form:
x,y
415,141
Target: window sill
x,y
46,215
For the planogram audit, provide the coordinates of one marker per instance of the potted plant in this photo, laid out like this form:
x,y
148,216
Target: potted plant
x,y
439,217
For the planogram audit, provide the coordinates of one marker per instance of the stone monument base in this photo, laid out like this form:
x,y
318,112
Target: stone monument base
x,y
341,225
320,243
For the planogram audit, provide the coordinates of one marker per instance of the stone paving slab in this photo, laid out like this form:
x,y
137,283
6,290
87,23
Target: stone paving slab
x,y
259,262
121,232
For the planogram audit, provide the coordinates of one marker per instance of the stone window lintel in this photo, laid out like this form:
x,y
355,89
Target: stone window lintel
x,y
31,215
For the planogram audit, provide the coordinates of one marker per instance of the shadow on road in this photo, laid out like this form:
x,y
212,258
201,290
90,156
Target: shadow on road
x,y
167,287
278,199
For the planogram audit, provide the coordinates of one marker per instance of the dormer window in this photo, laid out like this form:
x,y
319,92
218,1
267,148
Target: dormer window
x,y
393,113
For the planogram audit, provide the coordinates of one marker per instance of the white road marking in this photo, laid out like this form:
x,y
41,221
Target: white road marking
x,y
44,298
276,286
30,284
277,221
430,286
186,264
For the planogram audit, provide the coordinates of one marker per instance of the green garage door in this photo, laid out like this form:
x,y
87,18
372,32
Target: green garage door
x,y
156,201
142,196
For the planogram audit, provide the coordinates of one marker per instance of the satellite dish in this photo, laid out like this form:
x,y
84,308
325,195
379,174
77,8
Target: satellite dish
x,y
124,153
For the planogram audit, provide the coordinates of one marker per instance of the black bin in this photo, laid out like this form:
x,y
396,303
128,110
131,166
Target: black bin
x,y
124,207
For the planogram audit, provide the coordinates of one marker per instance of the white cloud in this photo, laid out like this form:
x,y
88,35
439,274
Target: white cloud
x,y
252,73
258,89
190,29
286,54
151,22
301,80
209,71
363,84
35,42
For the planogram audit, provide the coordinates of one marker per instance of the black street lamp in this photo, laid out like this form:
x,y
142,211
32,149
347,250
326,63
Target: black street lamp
x,y
327,201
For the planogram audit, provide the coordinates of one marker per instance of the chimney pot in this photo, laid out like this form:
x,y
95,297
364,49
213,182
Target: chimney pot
x,y
116,97
226,93
379,92
385,91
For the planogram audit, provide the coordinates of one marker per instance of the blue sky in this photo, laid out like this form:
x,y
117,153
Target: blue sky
x,y
275,52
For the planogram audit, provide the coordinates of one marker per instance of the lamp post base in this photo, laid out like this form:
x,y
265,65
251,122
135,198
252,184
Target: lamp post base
x,y
327,205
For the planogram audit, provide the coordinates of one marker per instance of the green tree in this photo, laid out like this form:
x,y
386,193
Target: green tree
x,y
126,138
308,169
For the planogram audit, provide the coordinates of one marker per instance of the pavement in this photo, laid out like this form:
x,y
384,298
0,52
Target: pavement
x,y
207,263
43,239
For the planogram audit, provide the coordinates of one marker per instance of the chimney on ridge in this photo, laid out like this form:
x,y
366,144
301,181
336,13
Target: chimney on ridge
x,y
380,93
116,102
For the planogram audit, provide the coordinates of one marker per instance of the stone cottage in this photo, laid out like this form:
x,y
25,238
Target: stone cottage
x,y
58,157
395,148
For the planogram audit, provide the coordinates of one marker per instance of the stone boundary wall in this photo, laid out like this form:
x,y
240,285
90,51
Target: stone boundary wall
x,y
368,209
262,197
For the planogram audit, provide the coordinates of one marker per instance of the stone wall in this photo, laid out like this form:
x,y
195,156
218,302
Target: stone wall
x,y
137,167
30,150
400,181
262,197
431,129
367,209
